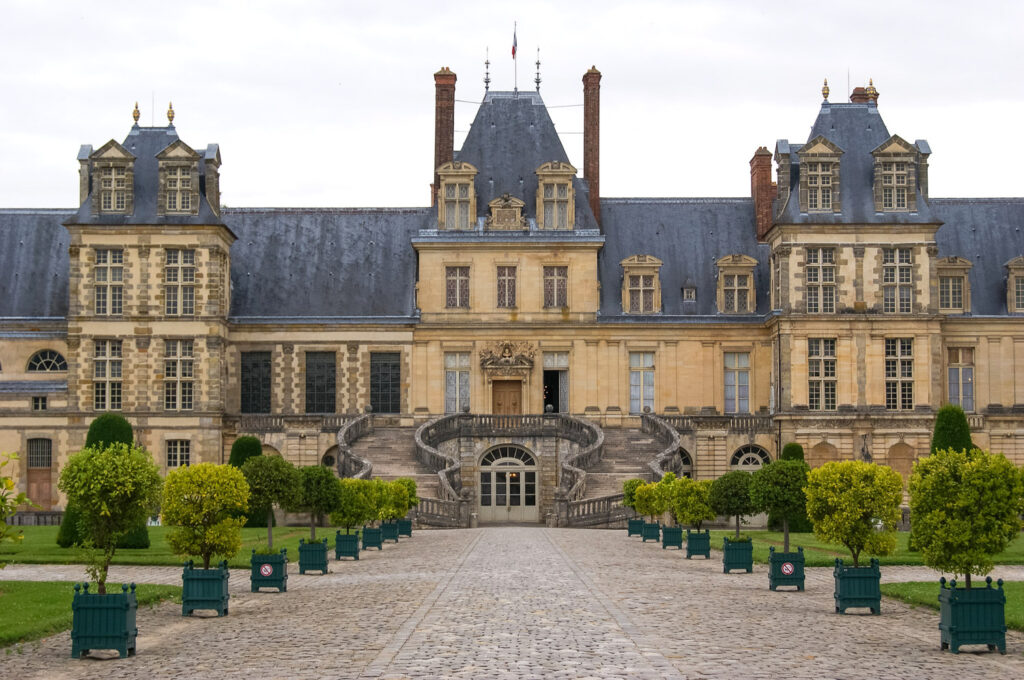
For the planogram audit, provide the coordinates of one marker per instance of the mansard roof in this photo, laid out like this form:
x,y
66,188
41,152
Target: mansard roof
x,y
34,263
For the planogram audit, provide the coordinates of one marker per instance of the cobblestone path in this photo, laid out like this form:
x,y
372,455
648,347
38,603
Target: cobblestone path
x,y
522,602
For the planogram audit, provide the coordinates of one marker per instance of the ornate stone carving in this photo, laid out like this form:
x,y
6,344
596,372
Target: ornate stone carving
x,y
508,358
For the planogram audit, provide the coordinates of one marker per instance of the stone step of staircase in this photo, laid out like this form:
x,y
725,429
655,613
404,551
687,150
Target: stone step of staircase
x,y
390,450
627,452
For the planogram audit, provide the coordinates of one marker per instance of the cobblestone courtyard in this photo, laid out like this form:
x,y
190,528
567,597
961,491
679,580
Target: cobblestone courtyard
x,y
522,602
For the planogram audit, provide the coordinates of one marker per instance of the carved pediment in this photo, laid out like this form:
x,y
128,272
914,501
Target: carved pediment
x,y
736,260
641,261
1015,263
556,168
506,212
178,150
896,146
508,357
112,151
820,146
954,262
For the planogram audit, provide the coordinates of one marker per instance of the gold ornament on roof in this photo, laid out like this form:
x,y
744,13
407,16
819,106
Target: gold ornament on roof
x,y
170,113
135,113
824,90
871,92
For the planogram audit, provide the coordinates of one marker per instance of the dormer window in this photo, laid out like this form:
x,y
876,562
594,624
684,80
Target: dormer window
x,y
113,189
641,286
456,207
111,168
954,285
819,186
178,190
555,196
1015,286
895,184
819,176
736,284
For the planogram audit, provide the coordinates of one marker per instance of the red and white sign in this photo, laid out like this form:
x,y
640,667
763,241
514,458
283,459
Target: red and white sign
x,y
268,569
787,568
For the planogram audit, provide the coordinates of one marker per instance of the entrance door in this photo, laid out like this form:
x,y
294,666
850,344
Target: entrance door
x,y
508,485
556,391
508,397
39,478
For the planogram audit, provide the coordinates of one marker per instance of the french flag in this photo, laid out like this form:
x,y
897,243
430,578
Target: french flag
x,y
514,43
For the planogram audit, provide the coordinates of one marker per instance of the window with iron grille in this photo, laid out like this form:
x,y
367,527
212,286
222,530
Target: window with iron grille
x,y
897,280
40,453
179,452
179,189
106,375
179,282
254,382
506,286
960,374
556,283
819,186
113,189
108,277
179,377
320,382
899,374
641,381
456,205
47,361
386,382
38,403
456,381
456,287
820,280
736,292
737,382
821,374
641,293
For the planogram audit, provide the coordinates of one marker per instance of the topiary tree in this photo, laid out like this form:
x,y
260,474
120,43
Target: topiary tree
x,y
952,431
690,502
629,488
114,488
109,428
396,501
376,493
965,507
778,488
244,448
730,495
9,502
319,494
650,500
410,487
855,504
272,481
354,509
792,451
203,503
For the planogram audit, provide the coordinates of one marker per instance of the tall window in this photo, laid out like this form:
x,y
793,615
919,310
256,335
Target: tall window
x,y
819,186
820,280
47,361
961,377
556,205
894,186
456,381
108,275
456,287
506,286
179,452
320,382
641,381
1018,296
735,289
179,282
556,283
179,189
113,189
641,294
456,209
178,375
899,373
897,280
821,374
254,382
386,382
737,382
106,373
951,292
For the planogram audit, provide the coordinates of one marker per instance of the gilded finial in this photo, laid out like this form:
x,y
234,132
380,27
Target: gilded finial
x,y
824,90
871,92
170,113
135,113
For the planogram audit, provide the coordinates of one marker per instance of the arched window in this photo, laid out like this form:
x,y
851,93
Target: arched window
x,y
47,361
685,463
749,458
498,453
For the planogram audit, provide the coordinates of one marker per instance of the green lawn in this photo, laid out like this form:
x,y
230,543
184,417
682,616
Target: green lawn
x,y
926,593
40,547
31,610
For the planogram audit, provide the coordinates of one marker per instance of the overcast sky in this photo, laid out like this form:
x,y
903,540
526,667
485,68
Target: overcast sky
x,y
331,103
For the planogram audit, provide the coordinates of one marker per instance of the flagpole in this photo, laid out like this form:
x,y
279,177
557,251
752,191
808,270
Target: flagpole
x,y
515,62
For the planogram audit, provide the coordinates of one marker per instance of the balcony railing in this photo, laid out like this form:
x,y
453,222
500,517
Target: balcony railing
x,y
349,464
270,423
734,424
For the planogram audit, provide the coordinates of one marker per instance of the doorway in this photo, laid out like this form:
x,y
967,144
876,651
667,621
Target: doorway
x,y
508,485
507,397
556,391
40,475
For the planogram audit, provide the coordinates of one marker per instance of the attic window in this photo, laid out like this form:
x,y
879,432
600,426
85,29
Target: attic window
x,y
689,294
736,284
895,183
819,186
641,285
555,196
179,189
114,188
456,207
954,285
1015,286
819,176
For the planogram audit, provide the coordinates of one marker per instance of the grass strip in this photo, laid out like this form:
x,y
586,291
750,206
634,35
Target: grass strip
x,y
926,594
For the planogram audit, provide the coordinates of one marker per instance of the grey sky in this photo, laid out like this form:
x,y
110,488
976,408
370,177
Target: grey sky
x,y
331,103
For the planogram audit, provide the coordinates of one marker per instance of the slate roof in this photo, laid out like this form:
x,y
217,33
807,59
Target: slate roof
x,y
33,263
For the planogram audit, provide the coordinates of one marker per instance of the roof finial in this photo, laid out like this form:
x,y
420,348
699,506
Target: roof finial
x,y
170,113
871,92
135,113
824,90
537,79
487,71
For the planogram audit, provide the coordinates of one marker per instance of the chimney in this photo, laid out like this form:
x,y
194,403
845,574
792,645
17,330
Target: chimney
x,y
859,96
592,138
762,190
444,124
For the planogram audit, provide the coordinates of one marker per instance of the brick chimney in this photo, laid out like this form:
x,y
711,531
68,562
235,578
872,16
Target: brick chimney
x,y
762,190
592,138
859,96
444,124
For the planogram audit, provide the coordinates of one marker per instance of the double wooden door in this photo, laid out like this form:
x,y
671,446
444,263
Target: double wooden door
x,y
507,397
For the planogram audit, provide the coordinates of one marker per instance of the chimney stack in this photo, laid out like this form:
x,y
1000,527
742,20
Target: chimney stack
x,y
444,124
859,96
592,138
762,190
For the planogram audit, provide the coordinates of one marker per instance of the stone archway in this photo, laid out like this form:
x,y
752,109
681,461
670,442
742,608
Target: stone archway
x,y
508,485
900,458
820,454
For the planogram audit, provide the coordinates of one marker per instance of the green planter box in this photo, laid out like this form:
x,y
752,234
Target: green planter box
x,y
634,527
389,531
205,589
405,527
785,569
372,539
672,537
858,587
651,531
698,543
103,621
972,617
737,555
346,545
312,556
269,571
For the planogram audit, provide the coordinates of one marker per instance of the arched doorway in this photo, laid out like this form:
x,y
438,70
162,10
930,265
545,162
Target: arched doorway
x,y
901,459
820,454
508,485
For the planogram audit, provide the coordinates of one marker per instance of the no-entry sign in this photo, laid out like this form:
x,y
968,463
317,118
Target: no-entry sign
x,y
268,569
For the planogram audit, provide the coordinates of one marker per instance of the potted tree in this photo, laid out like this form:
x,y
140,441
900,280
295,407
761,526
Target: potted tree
x,y
319,494
272,481
651,502
375,491
205,505
114,488
404,523
965,507
395,505
778,489
691,507
634,526
353,510
730,495
671,536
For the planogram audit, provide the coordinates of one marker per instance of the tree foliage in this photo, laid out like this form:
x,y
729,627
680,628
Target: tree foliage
x,y
792,451
9,502
396,501
69,533
952,431
690,502
203,503
855,504
355,508
629,488
272,481
319,494
965,507
109,428
730,495
115,487
650,500
778,488
244,448
410,486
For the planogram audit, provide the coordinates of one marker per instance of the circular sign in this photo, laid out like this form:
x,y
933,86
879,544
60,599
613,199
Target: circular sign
x,y
268,569
787,568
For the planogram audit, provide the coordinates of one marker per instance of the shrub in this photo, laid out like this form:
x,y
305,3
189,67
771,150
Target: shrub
x,y
650,500
244,448
202,502
68,534
730,496
410,486
792,451
319,494
354,509
855,504
396,501
272,481
952,431
965,507
629,488
137,537
778,488
690,502
109,428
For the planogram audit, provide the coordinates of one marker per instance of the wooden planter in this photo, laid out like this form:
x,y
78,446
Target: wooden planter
x,y
972,617
651,531
103,621
346,545
405,527
698,543
389,531
785,569
737,555
205,589
269,571
634,527
858,587
312,556
672,537
372,539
